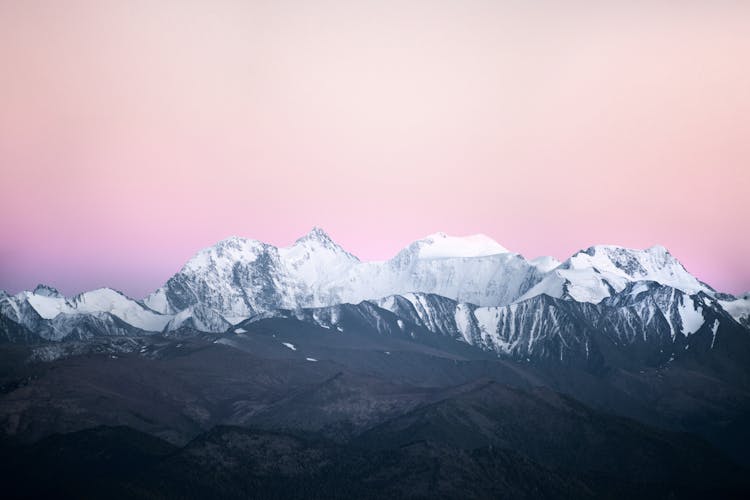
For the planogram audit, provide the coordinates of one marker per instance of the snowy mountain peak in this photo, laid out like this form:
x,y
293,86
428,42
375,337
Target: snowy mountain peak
x,y
46,291
442,246
316,234
232,249
234,243
658,249
599,271
314,241
654,263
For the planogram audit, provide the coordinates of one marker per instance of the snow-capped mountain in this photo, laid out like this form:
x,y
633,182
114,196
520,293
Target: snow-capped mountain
x,y
470,288
49,315
240,277
600,271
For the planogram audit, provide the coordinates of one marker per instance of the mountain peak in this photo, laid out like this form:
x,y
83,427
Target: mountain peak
x,y
628,260
440,245
436,236
316,234
46,291
234,242
654,263
225,252
313,241
608,250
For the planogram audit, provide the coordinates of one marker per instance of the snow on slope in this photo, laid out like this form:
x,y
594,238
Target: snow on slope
x,y
47,307
117,304
653,264
545,263
738,308
645,313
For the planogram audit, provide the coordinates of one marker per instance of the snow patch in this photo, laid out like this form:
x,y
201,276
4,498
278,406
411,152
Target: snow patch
x,y
49,307
691,316
463,320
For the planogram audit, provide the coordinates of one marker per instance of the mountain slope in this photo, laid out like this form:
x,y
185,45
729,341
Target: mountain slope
x,y
644,325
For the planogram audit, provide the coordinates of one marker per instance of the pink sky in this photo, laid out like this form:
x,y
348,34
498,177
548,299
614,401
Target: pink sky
x,y
134,133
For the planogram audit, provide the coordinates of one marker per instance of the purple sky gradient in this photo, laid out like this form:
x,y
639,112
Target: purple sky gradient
x,y
134,133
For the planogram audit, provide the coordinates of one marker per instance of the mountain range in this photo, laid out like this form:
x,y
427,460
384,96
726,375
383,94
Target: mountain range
x,y
470,288
456,368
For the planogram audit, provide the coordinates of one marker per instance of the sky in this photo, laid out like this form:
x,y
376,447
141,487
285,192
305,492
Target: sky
x,y
134,133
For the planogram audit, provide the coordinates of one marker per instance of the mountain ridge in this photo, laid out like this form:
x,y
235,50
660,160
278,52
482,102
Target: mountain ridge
x,y
240,278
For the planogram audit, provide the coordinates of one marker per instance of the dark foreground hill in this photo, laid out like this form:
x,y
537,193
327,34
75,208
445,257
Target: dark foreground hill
x,y
291,410
232,462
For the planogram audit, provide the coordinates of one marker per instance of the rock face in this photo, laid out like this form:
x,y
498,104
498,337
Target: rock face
x,y
645,325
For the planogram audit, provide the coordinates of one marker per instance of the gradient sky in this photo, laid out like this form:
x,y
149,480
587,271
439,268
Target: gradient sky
x,y
133,133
